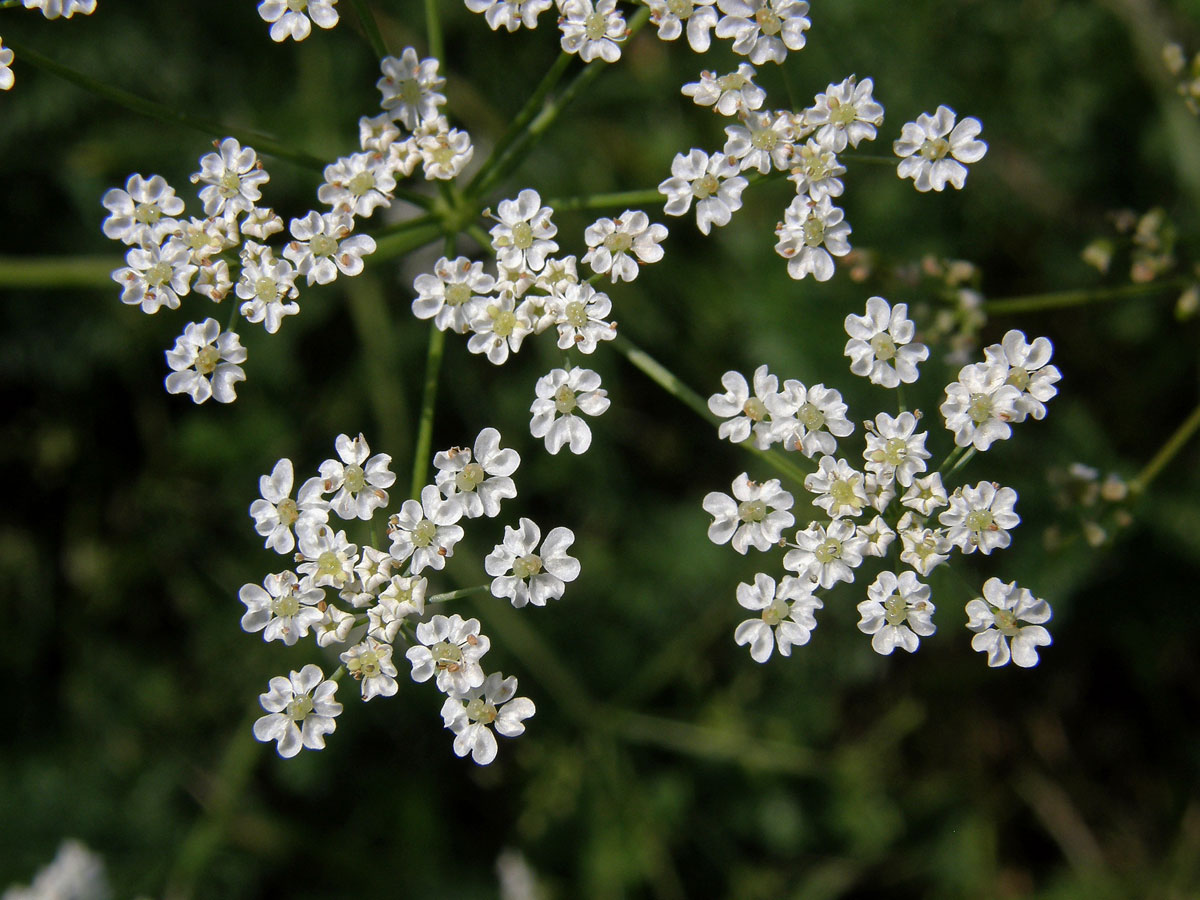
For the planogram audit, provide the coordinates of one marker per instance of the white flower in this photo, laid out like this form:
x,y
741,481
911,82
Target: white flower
x,y
261,222
403,597
207,237
233,176
285,611
922,548
426,531
561,396
592,31
334,627
763,141
357,184
143,212
478,480
500,328
781,623
811,234
896,611
450,648
878,536
808,419
523,233
372,571
880,345
444,152
492,703
581,317
52,9
277,513
932,150
745,414
840,489
370,662
453,295
815,170
212,281
764,29
155,276
378,133
1028,371
359,482
997,619
845,114
410,88
894,451
827,555
535,577
728,94
754,516
301,711
510,14
323,246
326,557
979,406
205,363
75,873
979,516
611,241
669,16
6,73
267,286
713,182
925,494
291,17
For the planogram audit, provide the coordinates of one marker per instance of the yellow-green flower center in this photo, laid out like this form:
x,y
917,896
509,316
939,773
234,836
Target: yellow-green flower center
x,y
207,359
752,510
470,477
564,400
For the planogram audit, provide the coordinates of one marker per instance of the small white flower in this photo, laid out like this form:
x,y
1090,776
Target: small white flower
x,y
845,114
592,30
978,517
444,152
301,711
925,494
205,363
322,246
613,244
378,133
878,536
754,516
267,286
358,184
372,572
156,276
932,150
1028,371
261,222
143,213
783,623
815,170
922,548
669,17
561,397
290,18
359,482
326,557
764,29
493,703
581,317
997,619
745,414
370,662
535,577
277,513
450,648
896,611
894,451
52,9
811,234
840,489
334,628
232,177
453,295
6,72
714,183
827,555
763,141
478,479
522,236
403,598
500,328
808,419
284,611
426,531
410,88
510,14
880,346
729,94
979,406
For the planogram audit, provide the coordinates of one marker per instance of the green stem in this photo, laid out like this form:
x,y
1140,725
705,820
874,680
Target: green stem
x,y
55,272
625,199
433,364
1082,297
455,595
433,30
398,244
668,381
370,28
163,113
1166,453
874,159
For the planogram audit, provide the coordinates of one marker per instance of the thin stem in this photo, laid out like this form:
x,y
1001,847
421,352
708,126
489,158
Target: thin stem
x,y
398,244
406,225
873,159
163,113
433,29
455,595
951,461
1081,297
370,28
55,272
1166,453
605,201
433,365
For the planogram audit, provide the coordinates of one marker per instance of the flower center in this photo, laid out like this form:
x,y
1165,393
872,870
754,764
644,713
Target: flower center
x,y
297,5
286,606
810,416
764,139
564,400
522,236
841,113
329,564
147,213
894,451
364,666
705,186
457,294
576,314
479,710
595,25
361,183
980,408
299,708
229,185
354,479
410,92
207,359
680,8
470,477
883,346
776,612
734,81
424,533
979,519
1018,377
934,149
288,512
814,232
446,655
842,492
752,510
1006,621
503,321
755,409
768,22
527,566
266,289
895,609
323,245
159,273
829,550
618,242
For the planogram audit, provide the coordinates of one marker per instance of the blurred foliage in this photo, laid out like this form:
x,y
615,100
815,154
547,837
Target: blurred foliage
x,y
662,762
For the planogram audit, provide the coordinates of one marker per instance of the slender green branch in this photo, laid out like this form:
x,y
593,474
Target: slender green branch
x,y
163,113
433,365
55,272
455,595
1081,297
398,244
605,201
433,30
1166,453
873,159
370,28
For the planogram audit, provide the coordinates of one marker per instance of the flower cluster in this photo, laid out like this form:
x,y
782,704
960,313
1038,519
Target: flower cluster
x,y
367,602
51,9
861,510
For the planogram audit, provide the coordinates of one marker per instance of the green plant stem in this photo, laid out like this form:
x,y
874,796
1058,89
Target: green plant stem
x,y
669,382
433,30
1166,453
455,595
400,242
370,28
606,201
433,365
1081,297
55,272
163,113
